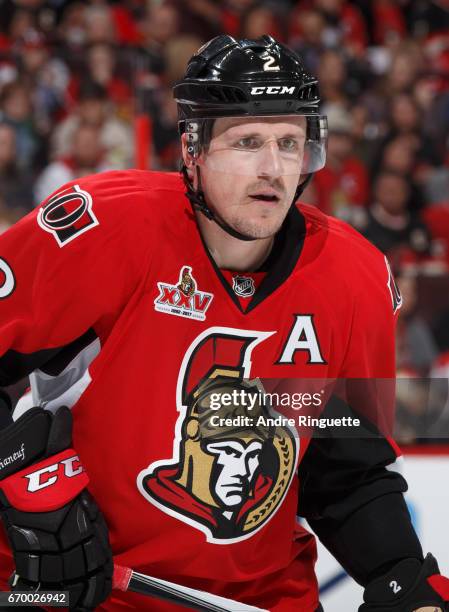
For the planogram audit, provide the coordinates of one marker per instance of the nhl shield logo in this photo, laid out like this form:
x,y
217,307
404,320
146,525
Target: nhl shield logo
x,y
243,286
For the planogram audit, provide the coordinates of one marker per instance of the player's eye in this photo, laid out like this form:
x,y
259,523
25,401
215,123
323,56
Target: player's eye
x,y
248,143
289,145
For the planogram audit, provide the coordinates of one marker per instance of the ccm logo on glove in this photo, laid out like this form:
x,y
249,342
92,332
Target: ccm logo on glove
x,y
40,478
47,485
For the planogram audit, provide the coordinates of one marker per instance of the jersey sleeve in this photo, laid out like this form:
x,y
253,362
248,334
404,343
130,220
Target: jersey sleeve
x,y
350,487
67,267
376,303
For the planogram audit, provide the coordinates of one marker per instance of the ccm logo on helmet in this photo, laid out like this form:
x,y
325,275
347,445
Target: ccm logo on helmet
x,y
45,477
272,89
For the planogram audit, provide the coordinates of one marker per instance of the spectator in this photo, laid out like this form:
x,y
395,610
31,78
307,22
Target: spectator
x,y
100,24
366,136
389,23
407,63
18,16
16,109
389,224
21,22
344,25
332,77
432,100
160,25
15,185
405,120
397,72
72,32
429,17
399,155
260,20
94,109
306,36
343,183
101,68
416,348
46,76
85,157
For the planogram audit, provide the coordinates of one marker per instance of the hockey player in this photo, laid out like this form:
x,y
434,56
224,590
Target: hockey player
x,y
132,297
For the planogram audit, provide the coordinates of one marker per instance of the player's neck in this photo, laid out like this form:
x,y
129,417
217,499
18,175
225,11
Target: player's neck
x,y
230,253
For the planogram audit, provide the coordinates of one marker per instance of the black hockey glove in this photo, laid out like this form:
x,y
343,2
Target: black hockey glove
x,y
57,534
408,586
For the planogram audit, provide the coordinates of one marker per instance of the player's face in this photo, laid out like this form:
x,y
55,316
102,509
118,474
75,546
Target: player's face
x,y
251,170
237,464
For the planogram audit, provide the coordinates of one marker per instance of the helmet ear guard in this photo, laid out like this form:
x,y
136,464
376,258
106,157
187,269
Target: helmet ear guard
x,y
198,134
192,139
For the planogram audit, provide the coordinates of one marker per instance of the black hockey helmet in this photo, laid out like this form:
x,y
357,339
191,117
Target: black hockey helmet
x,y
245,77
254,78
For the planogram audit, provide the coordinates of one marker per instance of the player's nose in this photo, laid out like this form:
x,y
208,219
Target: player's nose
x,y
269,161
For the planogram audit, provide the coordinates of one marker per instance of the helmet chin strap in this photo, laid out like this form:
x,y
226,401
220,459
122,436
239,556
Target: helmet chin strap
x,y
198,201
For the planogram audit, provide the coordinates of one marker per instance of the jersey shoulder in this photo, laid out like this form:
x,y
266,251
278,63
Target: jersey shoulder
x,y
133,181
116,201
349,258
349,248
138,189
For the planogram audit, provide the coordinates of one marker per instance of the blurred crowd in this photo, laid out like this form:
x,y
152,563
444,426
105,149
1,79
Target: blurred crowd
x,y
75,74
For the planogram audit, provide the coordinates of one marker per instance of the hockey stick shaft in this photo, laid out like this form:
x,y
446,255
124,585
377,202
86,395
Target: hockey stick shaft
x,y
126,579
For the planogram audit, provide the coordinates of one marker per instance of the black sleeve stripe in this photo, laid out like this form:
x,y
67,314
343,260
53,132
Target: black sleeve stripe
x,y
15,365
65,355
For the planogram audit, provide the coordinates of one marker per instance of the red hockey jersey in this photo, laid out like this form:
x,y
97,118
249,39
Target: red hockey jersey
x,y
109,297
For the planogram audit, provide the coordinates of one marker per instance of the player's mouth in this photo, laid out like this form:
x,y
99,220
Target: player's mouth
x,y
265,196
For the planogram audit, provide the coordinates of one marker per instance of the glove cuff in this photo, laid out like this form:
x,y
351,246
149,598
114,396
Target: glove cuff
x,y
24,441
440,584
35,435
47,485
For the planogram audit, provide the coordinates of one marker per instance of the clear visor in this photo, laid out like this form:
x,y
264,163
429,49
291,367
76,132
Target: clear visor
x,y
263,146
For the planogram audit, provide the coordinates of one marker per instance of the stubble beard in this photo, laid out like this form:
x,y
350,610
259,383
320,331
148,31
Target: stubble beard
x,y
259,226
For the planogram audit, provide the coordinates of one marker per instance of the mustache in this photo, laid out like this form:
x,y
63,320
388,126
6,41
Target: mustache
x,y
275,183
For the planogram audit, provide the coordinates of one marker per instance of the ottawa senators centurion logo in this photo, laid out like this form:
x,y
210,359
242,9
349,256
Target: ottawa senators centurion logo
x,y
187,285
229,474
